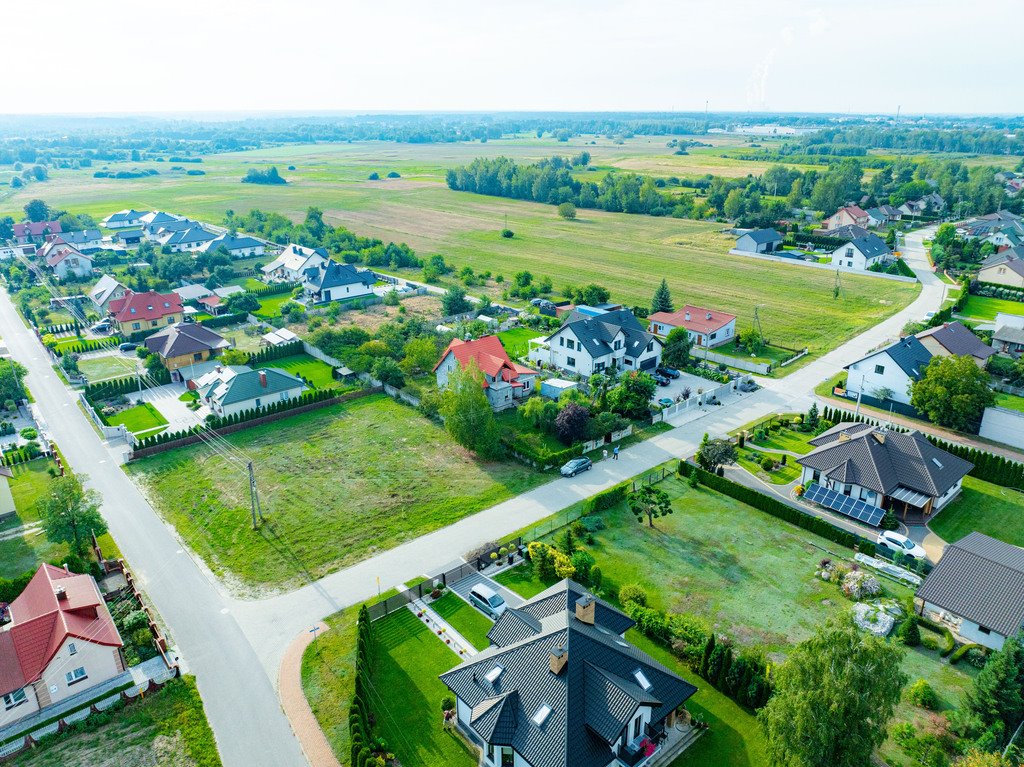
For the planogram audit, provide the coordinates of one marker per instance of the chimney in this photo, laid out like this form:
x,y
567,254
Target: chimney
x,y
585,609
60,593
880,436
558,660
708,316
263,379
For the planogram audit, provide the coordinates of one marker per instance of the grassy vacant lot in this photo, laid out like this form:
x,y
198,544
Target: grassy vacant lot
x,y
987,508
167,728
752,577
516,340
270,306
336,484
464,618
982,308
104,368
627,254
142,417
313,370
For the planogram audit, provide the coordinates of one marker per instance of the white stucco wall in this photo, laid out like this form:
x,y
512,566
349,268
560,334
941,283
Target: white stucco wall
x,y
250,404
892,377
99,661
30,706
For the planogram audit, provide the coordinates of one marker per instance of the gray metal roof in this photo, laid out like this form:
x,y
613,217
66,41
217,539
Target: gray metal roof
x,y
591,699
597,333
871,246
981,579
761,236
332,274
884,460
513,626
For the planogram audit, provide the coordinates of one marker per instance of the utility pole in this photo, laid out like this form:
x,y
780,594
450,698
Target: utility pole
x,y
254,498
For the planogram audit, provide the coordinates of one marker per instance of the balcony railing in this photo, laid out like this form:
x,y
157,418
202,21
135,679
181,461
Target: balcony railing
x,y
639,753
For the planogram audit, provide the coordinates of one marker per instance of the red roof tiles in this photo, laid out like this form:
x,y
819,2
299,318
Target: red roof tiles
x,y
489,355
694,318
145,306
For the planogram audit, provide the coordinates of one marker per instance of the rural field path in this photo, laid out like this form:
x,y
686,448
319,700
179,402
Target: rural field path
x,y
227,642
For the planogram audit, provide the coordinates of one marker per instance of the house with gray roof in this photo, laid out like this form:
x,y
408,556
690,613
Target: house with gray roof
x,y
187,240
184,345
105,290
861,253
889,371
977,589
1008,337
233,389
86,240
898,471
333,281
237,246
560,687
759,241
592,343
124,219
955,339
1004,268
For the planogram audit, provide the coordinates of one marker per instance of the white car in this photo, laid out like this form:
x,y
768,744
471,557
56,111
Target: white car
x,y
896,542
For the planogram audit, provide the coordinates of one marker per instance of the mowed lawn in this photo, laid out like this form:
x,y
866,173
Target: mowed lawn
x,y
336,484
628,254
105,368
142,417
516,341
990,509
270,306
313,370
464,618
983,308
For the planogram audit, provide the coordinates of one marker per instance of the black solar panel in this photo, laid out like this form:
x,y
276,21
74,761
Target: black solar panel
x,y
844,504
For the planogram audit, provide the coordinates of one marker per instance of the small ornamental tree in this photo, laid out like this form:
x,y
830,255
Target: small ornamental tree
x,y
571,423
567,211
714,453
649,502
662,301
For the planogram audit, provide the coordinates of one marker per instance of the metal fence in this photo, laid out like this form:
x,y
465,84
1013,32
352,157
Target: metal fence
x,y
400,600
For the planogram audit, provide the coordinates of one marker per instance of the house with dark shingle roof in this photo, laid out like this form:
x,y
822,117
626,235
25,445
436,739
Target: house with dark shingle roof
x,y
124,219
861,253
897,471
848,232
185,344
86,240
238,246
1004,268
890,370
759,241
332,281
189,240
955,339
506,383
592,341
977,588
560,687
236,388
59,642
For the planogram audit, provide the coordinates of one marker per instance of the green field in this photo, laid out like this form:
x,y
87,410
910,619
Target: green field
x,y
990,509
337,484
142,417
464,618
313,370
982,308
626,253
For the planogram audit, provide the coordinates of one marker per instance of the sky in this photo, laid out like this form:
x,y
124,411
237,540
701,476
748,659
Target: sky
x,y
870,56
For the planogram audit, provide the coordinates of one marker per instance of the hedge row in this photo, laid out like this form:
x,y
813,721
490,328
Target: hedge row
x,y
610,497
778,509
18,455
962,650
141,335
994,290
118,386
360,715
947,636
519,446
88,345
64,327
224,319
276,352
988,467
273,290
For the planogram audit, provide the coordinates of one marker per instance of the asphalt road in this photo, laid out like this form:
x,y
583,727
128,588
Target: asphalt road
x,y
235,646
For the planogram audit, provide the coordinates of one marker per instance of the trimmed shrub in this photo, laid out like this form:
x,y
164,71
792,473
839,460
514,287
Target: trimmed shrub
x,y
920,693
633,592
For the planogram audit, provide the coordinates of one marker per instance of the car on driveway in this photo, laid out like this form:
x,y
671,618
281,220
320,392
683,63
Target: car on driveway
x,y
576,465
487,600
668,372
103,326
896,542
660,379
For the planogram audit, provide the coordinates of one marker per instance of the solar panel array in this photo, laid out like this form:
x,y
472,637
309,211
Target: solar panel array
x,y
844,504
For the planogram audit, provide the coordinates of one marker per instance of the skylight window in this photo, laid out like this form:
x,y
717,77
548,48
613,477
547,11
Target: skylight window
x,y
642,680
937,462
542,714
492,675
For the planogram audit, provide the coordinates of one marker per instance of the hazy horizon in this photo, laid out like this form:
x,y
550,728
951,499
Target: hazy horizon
x,y
262,57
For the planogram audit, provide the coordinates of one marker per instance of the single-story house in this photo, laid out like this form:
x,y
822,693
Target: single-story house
x,y
1008,337
560,687
35,231
861,253
884,469
978,589
8,252
234,389
105,290
213,304
851,215
331,281
293,262
506,383
1004,268
891,370
759,241
65,260
708,328
156,217
124,219
185,344
192,292
955,339
238,246
60,641
86,240
141,311
189,240
591,340
130,238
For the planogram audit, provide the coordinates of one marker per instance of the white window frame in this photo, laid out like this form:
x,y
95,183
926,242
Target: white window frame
x,y
15,698
74,677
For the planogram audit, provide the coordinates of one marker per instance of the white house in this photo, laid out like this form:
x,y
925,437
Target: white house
x,y
107,289
1008,337
588,344
60,641
862,253
65,261
976,590
237,247
707,328
332,281
124,219
7,252
86,240
759,241
889,371
293,262
234,389
191,240
505,383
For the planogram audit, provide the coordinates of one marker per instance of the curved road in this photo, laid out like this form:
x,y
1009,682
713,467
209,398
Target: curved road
x,y
235,646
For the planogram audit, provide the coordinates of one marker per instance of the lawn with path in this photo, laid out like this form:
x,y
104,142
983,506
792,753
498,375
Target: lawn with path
x,y
336,484
464,618
782,474
990,509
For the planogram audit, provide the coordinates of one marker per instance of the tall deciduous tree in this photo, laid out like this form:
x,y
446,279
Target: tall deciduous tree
x,y
571,422
833,698
953,392
649,502
632,397
420,354
467,413
37,210
662,301
677,348
455,301
70,514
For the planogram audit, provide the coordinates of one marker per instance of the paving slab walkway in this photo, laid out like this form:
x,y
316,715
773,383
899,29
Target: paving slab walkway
x,y
312,740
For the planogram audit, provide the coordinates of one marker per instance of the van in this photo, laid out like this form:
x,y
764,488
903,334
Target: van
x,y
487,600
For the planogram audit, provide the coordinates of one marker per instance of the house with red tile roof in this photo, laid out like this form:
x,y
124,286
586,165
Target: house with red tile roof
x,y
708,328
143,311
506,383
60,641
65,260
851,215
35,231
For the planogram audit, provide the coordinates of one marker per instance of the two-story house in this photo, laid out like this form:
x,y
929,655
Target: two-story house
x,y
707,328
331,281
293,262
594,343
185,344
64,260
35,232
506,383
891,370
851,215
142,311
862,253
60,641
1004,268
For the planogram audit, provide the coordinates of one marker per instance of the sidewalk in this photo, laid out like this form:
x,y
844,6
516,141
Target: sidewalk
x,y
293,700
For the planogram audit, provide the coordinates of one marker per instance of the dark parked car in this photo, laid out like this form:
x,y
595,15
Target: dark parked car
x,y
660,379
128,347
576,465
669,372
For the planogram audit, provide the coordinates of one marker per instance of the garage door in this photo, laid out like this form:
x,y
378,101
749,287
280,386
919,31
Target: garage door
x,y
649,364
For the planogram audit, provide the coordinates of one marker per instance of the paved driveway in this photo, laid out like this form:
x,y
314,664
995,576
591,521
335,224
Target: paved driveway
x,y
462,588
165,399
685,381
